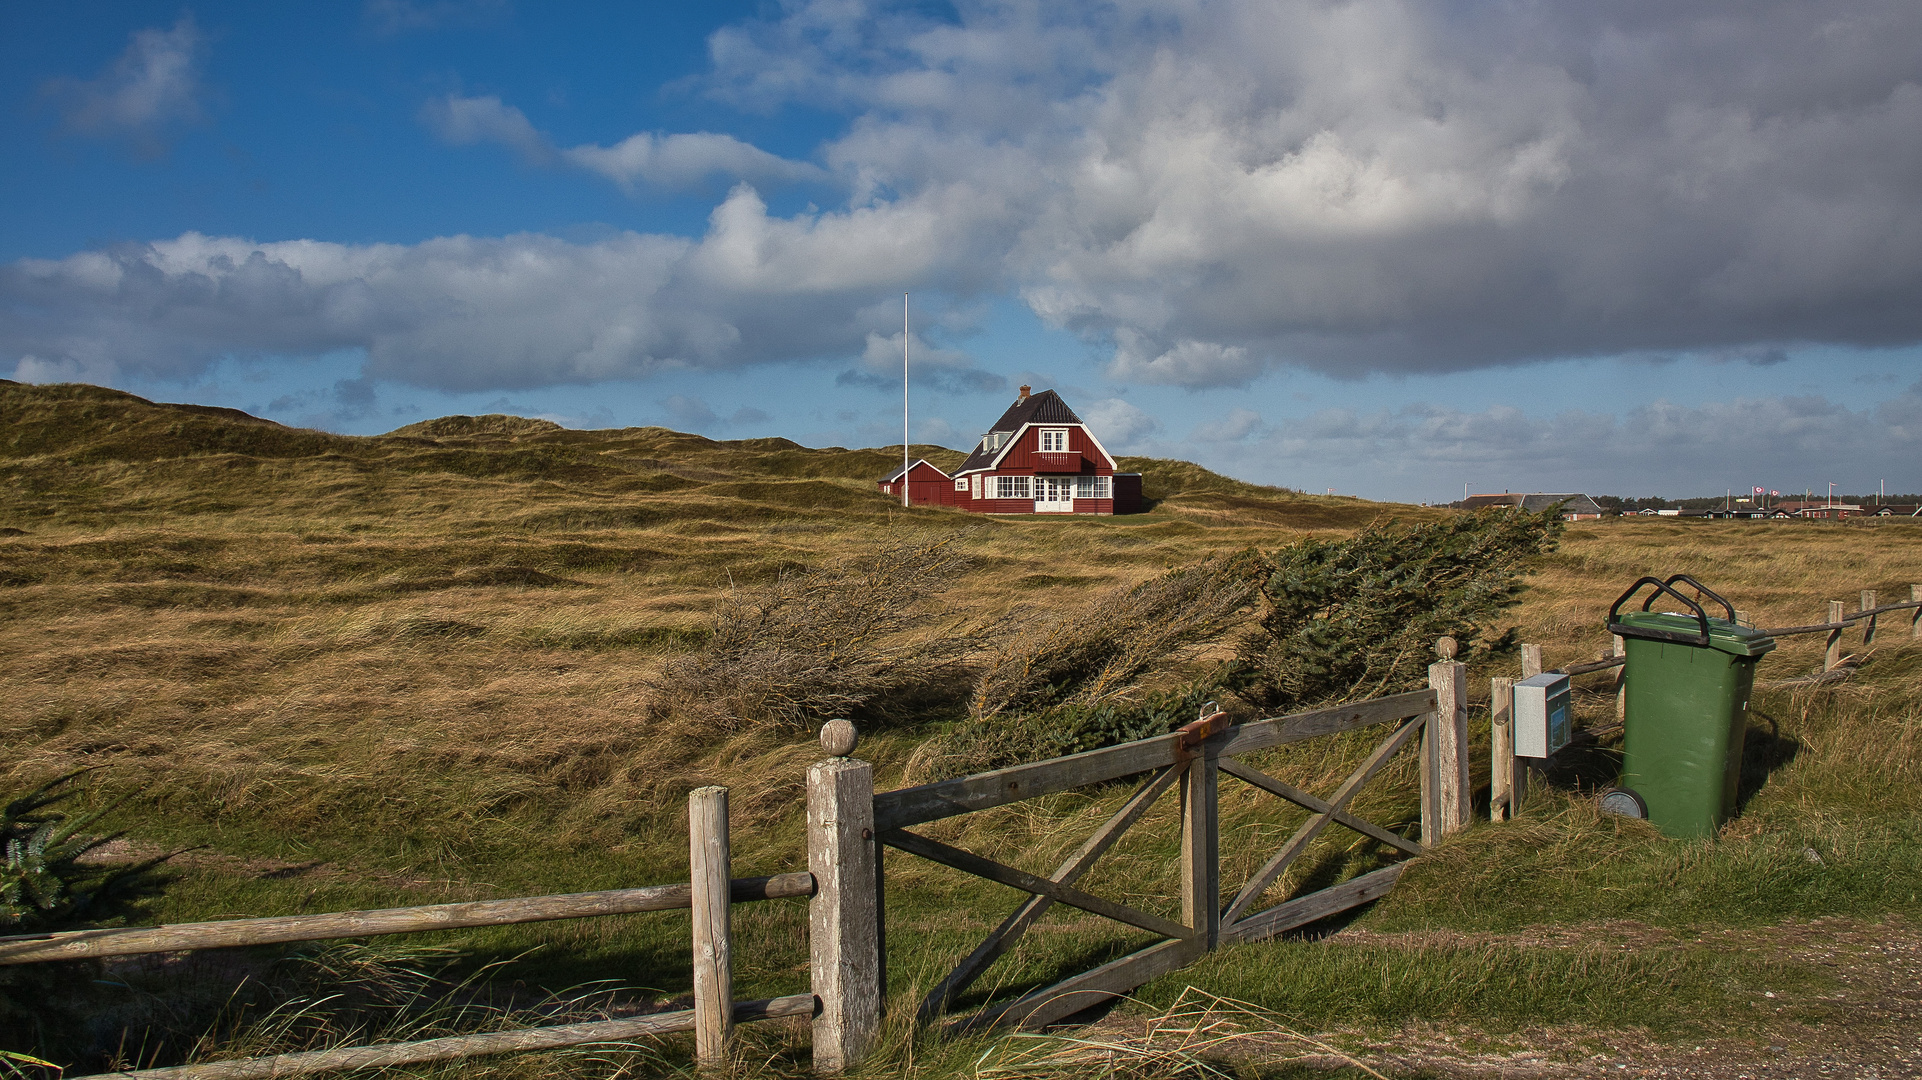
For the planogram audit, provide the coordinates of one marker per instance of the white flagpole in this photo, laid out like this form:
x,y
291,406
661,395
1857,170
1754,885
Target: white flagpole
x,y
904,399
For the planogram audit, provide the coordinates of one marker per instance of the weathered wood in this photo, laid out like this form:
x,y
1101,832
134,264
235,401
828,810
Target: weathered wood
x,y
1430,781
1502,803
1868,609
912,806
1915,621
1590,666
1201,848
1314,907
1070,871
460,1046
1832,656
970,863
1300,727
1091,988
709,863
1311,828
1531,661
1241,770
843,948
1449,680
231,933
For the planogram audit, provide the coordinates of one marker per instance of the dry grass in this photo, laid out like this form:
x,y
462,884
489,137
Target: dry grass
x,y
423,664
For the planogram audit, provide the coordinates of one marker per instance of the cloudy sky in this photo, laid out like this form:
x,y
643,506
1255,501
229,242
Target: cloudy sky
x,y
1389,248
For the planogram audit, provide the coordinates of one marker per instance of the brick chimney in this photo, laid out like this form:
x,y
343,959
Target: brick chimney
x,y
1024,395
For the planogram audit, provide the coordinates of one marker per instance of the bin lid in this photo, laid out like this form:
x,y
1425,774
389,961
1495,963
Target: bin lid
x,y
1723,635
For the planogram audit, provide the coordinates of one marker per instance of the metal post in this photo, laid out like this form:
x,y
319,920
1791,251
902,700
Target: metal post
x,y
843,923
711,874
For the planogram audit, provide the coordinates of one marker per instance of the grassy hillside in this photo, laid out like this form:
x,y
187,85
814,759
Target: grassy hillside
x,y
413,667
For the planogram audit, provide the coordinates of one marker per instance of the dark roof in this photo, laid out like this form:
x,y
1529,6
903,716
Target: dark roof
x,y
1043,408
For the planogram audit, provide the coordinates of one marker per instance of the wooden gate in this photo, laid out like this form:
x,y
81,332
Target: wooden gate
x,y
1190,759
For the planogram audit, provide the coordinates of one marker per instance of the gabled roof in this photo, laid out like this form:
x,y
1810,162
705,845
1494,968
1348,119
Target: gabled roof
x,y
1043,408
896,474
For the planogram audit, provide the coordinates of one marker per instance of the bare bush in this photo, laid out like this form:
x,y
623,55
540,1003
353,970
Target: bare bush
x,y
821,643
1090,655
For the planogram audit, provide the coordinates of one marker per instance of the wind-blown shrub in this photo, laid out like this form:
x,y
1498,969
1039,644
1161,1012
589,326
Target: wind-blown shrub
x,y
1359,617
820,643
1090,655
44,883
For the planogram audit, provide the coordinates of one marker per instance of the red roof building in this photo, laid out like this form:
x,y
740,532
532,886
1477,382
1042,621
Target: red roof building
x,y
1039,458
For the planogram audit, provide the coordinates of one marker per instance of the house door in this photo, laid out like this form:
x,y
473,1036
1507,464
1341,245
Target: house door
x,y
1054,494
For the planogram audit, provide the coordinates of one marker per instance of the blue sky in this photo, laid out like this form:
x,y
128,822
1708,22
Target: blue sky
x,y
1385,248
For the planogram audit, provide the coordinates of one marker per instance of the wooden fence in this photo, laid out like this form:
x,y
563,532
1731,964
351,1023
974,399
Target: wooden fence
x,y
708,896
848,826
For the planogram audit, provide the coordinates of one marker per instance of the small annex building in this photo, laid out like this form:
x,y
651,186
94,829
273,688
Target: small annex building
x,y
1039,458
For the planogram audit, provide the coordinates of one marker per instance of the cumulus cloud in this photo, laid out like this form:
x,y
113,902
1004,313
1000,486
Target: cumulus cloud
x,y
1237,425
152,86
1122,427
668,161
1211,190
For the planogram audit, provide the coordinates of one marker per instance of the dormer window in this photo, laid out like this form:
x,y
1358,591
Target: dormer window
x,y
1054,440
994,440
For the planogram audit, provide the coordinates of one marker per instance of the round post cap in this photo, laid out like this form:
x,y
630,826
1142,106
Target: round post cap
x,y
838,737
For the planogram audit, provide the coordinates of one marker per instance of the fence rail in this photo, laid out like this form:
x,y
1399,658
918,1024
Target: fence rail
x,y
708,895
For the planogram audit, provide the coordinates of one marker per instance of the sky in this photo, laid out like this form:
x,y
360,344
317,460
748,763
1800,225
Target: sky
x,y
1395,249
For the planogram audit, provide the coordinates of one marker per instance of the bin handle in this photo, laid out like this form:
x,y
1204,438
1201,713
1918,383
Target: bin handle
x,y
1701,617
1702,590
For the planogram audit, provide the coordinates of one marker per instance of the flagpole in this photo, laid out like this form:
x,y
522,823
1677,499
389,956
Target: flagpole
x,y
904,399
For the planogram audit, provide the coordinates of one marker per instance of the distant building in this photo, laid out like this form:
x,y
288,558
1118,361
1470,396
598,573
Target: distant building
x,y
1575,506
1039,458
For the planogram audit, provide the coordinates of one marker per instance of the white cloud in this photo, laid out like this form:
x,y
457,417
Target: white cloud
x,y
1211,189
1236,425
667,161
154,84
1121,427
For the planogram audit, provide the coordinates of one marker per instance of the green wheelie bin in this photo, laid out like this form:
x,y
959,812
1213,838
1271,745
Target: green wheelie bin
x,y
1688,679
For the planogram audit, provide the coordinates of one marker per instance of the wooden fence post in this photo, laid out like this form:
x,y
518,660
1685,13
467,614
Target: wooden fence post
x,y
1832,659
1868,632
1531,661
712,876
1621,682
1445,745
1503,800
1201,849
1915,619
843,924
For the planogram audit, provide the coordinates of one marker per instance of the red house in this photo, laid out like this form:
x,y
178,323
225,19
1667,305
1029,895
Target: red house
x,y
1039,458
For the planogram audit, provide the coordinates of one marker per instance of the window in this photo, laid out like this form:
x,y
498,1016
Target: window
x,y
960,483
977,485
1054,440
1092,487
1011,487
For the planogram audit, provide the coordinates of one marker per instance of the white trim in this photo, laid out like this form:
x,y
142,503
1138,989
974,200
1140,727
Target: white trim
x,y
1048,434
1016,439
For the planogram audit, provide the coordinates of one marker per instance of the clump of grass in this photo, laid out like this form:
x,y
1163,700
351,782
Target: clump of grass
x,y
1199,1035
819,643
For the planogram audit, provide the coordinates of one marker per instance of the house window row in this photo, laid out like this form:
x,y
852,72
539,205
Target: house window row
x,y
1022,487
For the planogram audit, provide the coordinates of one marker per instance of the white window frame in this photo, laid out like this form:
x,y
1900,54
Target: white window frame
x,y
977,485
1093,487
1013,487
1054,440
960,483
